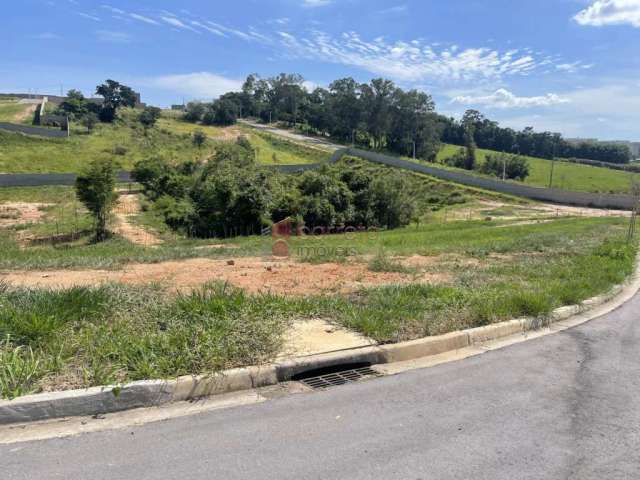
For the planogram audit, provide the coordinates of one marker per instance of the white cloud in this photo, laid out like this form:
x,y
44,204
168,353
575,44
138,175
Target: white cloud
x,y
215,31
90,17
202,85
413,60
316,3
174,22
144,19
113,37
503,98
609,111
573,67
610,12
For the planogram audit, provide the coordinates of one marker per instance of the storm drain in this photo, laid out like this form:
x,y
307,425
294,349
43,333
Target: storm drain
x,y
330,379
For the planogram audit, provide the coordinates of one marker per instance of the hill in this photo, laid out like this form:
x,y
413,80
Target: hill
x,y
125,140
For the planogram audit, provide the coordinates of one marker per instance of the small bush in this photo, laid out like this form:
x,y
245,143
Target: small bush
x,y
120,150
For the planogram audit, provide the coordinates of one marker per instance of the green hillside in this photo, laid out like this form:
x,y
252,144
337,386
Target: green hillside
x,y
125,141
567,176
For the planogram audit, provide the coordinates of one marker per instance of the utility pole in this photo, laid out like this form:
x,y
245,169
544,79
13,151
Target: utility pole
x,y
414,149
553,164
269,117
504,166
635,191
353,138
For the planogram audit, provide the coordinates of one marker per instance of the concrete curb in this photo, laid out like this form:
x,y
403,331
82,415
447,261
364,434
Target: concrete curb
x,y
149,393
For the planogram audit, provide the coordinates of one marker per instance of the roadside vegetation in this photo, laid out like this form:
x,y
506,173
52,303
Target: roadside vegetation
x,y
85,336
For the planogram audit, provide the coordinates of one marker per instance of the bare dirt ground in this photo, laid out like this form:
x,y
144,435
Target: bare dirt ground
x,y
18,213
229,134
252,274
26,114
129,205
531,212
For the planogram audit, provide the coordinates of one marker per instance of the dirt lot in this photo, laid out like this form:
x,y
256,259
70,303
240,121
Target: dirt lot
x,y
253,274
18,213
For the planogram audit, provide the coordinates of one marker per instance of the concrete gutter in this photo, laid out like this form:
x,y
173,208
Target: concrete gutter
x,y
149,393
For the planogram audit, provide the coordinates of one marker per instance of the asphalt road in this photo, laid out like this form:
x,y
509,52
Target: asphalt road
x,y
564,406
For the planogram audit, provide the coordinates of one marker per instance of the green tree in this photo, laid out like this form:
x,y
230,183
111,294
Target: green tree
x,y
194,112
89,121
149,117
75,106
469,121
223,112
95,188
115,96
199,138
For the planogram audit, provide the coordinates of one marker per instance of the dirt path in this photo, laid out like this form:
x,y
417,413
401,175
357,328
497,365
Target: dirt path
x,y
129,205
229,134
253,274
27,113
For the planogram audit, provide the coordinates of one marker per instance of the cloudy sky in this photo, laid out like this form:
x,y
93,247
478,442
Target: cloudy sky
x,y
564,65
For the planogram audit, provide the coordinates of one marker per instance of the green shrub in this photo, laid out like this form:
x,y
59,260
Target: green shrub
x,y
513,167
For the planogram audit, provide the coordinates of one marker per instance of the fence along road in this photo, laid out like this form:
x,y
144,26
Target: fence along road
x,y
552,195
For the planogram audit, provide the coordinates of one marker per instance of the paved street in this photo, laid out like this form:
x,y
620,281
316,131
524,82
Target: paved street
x,y
564,406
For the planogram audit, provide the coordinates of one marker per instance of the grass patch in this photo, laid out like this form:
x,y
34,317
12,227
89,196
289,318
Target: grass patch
x,y
123,141
521,289
383,263
113,334
273,150
82,337
10,108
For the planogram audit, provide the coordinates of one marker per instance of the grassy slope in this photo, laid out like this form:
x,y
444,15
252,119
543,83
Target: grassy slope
x,y
10,108
567,176
272,150
171,139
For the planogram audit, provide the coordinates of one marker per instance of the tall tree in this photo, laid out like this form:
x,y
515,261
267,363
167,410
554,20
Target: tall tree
x,y
115,95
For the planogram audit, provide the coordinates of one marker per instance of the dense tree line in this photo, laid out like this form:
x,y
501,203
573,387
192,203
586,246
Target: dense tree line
x,y
231,195
490,135
381,115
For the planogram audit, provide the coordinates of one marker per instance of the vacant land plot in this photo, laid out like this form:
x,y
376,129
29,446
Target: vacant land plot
x,y
76,313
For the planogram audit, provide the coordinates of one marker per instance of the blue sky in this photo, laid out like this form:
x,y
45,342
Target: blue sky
x,y
565,65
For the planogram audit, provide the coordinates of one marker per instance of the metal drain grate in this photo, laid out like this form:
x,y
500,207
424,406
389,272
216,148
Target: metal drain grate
x,y
339,378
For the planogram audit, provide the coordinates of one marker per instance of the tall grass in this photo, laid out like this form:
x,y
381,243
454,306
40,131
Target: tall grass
x,y
92,336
